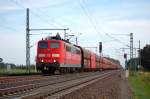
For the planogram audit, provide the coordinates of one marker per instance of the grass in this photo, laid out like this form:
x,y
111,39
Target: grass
x,y
4,72
140,85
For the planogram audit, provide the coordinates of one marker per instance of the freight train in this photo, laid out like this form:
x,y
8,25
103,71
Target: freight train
x,y
55,54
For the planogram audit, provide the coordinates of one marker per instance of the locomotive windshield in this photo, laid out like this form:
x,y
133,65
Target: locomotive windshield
x,y
43,45
54,45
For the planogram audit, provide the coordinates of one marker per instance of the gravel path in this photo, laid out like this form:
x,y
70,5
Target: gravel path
x,y
125,90
114,87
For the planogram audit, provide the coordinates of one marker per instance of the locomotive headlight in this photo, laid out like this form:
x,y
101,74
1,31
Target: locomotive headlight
x,y
42,60
54,61
55,55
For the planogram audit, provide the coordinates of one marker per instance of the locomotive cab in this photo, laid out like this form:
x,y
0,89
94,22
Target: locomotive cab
x,y
48,55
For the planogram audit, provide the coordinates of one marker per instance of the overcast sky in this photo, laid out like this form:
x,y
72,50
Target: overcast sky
x,y
92,18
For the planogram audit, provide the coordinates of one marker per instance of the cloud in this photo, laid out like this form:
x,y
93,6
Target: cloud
x,y
8,5
12,48
126,26
8,8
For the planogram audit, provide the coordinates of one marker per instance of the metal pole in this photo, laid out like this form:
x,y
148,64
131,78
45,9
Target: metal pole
x,y
131,50
47,29
135,52
139,54
130,53
27,42
126,63
76,41
100,53
64,34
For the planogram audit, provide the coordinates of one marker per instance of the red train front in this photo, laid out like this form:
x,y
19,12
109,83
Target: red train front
x,y
55,54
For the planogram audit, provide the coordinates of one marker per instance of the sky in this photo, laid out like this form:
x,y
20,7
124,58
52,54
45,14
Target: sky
x,y
92,21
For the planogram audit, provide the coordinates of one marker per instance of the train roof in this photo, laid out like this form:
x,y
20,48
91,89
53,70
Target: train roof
x,y
57,37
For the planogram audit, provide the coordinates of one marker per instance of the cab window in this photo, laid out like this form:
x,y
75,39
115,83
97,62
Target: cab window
x,y
43,45
54,45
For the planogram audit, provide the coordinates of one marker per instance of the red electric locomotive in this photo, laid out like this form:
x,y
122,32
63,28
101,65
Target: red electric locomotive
x,y
55,54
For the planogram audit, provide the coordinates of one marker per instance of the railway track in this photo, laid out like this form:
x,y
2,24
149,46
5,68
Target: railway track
x,y
27,81
18,78
48,87
42,79
27,85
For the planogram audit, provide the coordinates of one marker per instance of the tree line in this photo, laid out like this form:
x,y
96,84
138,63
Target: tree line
x,y
145,57
143,60
13,66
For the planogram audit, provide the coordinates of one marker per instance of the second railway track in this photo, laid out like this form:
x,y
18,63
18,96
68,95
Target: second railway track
x,y
50,87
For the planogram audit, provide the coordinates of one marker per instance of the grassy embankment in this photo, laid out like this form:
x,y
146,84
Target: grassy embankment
x,y
16,71
140,85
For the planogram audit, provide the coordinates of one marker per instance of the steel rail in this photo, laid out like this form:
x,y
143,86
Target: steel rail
x,y
55,88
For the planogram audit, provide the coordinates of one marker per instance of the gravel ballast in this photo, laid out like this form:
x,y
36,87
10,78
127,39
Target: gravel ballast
x,y
114,87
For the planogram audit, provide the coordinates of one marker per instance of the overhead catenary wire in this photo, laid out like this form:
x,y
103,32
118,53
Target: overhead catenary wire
x,y
121,34
94,24
33,45
90,19
32,12
9,28
40,33
117,40
37,15
48,16
92,15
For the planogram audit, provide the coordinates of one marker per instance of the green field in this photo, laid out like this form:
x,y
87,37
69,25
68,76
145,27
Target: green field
x,y
15,71
140,85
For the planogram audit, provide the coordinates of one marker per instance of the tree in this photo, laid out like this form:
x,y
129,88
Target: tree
x,y
113,60
1,60
145,57
134,64
2,65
